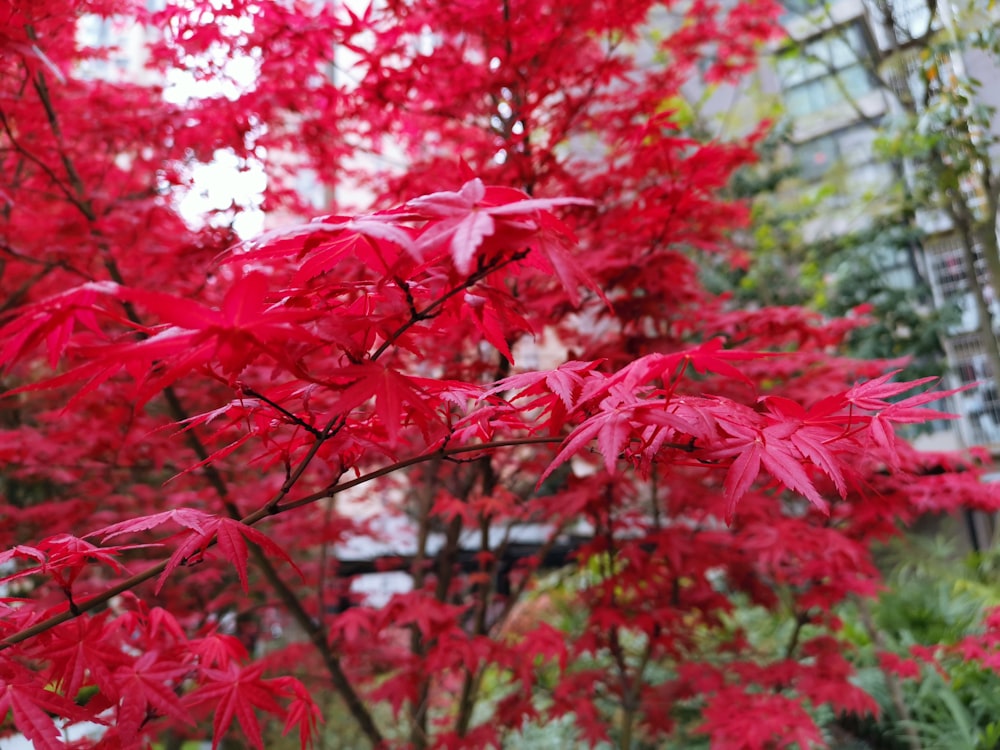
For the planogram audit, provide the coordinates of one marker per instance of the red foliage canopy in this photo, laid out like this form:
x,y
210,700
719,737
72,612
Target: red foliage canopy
x,y
255,425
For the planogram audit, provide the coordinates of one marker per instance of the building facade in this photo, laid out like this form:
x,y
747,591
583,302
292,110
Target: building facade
x,y
852,77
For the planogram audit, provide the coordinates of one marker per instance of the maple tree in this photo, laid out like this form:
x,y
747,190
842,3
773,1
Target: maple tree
x,y
195,428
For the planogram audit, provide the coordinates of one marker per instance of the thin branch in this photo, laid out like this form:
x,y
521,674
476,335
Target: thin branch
x,y
41,87
631,699
433,309
82,207
215,479
801,620
150,573
403,464
17,296
311,429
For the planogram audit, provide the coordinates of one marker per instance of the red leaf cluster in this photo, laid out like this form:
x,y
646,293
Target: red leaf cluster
x,y
502,365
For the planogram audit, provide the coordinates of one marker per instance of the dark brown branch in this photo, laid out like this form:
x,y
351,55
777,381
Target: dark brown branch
x,y
215,479
434,308
311,429
256,516
82,207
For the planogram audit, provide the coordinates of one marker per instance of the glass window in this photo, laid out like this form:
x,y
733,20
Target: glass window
x,y
816,157
852,147
981,403
947,268
826,72
802,7
94,31
911,19
855,145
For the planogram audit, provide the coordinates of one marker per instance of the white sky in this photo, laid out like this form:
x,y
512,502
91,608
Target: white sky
x,y
224,184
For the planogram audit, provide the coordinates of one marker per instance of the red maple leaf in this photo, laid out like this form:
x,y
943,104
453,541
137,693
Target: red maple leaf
x,y
392,391
84,652
234,693
204,529
33,706
773,449
64,557
147,688
54,320
303,714
462,220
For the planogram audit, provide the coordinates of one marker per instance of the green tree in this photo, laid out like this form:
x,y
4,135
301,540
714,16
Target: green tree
x,y
888,154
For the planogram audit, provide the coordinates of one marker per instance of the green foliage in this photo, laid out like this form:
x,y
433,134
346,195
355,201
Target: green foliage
x,y
932,602
933,599
870,270
820,240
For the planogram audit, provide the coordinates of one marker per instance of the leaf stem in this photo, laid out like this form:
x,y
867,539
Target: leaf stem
x,y
432,309
139,578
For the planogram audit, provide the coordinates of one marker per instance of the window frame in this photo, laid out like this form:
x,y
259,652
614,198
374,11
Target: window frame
x,y
824,67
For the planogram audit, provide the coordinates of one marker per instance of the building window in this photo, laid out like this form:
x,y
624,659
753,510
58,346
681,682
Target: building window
x,y
94,31
981,403
968,358
815,158
910,19
947,267
906,78
851,147
803,7
826,72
